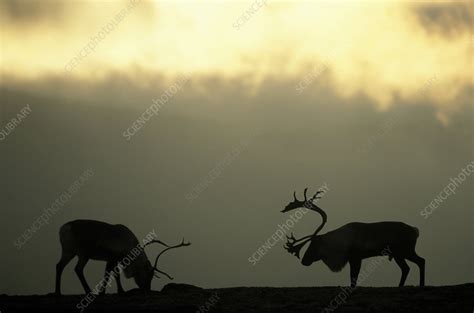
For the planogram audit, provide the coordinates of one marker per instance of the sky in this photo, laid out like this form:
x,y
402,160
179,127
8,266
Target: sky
x,y
250,101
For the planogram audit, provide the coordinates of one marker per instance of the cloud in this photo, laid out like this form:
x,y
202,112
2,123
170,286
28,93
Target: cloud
x,y
446,19
27,11
377,49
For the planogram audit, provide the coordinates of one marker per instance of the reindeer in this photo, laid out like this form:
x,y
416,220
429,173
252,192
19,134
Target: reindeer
x,y
89,239
354,242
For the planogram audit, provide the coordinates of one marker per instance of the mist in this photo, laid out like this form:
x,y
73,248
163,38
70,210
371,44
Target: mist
x,y
379,165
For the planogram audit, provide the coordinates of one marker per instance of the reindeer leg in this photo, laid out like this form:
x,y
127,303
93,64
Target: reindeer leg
x,y
418,260
108,271
355,269
79,269
119,284
116,275
65,259
405,269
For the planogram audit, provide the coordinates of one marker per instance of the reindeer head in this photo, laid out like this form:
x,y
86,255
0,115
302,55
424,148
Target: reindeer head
x,y
293,245
144,276
295,204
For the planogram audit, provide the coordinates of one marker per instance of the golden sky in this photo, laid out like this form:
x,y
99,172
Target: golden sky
x,y
383,49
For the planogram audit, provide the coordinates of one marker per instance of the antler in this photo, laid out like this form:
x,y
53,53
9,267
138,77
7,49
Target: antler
x,y
294,245
323,214
155,241
315,196
182,244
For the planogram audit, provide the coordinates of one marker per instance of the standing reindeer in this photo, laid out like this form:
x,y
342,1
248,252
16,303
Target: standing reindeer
x,y
89,239
354,242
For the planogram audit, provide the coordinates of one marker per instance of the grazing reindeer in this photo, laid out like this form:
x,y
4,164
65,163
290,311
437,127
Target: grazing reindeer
x,y
96,240
354,242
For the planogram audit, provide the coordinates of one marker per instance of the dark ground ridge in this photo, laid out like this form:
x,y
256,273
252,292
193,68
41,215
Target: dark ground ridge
x,y
187,298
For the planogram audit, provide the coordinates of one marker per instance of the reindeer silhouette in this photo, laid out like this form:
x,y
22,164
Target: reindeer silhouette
x,y
354,242
89,239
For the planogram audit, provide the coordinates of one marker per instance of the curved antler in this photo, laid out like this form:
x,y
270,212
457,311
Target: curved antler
x,y
317,209
155,241
182,244
324,217
315,196
294,245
